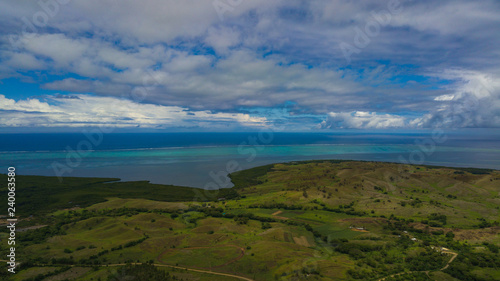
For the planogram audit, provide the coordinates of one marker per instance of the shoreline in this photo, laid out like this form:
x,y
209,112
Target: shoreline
x,y
120,180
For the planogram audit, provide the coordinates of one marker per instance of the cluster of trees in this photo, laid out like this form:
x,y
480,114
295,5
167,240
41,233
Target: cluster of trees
x,y
41,277
351,211
414,203
214,212
484,223
250,177
315,232
43,195
39,235
94,259
492,247
427,260
250,216
277,206
437,217
142,272
356,250
266,225
68,261
227,193
241,219
377,260
466,263
135,242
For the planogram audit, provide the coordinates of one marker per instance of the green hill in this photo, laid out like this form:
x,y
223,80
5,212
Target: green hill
x,y
315,220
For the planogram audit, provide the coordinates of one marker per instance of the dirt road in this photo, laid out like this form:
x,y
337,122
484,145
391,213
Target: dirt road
x,y
454,255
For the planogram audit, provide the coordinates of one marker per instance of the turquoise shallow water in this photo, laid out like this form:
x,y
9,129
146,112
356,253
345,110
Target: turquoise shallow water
x,y
202,166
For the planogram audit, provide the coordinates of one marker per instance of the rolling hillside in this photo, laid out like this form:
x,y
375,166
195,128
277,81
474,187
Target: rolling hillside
x,y
316,220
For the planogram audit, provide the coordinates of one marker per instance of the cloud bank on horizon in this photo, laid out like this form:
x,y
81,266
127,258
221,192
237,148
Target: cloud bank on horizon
x,y
240,64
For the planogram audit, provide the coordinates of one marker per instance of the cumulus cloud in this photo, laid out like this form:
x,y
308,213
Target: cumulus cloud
x,y
24,61
475,102
362,120
85,110
202,81
429,59
221,39
28,105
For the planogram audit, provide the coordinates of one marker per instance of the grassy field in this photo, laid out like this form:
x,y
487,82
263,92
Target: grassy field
x,y
318,220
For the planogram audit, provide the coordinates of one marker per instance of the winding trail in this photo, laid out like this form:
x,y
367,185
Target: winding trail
x,y
189,269
452,258
275,214
173,266
454,255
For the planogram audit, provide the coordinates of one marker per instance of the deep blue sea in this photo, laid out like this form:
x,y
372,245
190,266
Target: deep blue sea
x,y
203,159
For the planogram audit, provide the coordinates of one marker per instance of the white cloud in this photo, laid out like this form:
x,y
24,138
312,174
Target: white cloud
x,y
266,54
474,103
453,17
150,21
444,98
28,105
121,60
242,78
57,47
25,61
85,110
222,38
362,120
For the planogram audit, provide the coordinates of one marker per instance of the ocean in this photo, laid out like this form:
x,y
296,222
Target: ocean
x,y
204,159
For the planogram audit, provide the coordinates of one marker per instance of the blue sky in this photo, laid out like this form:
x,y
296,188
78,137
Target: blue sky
x,y
233,65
